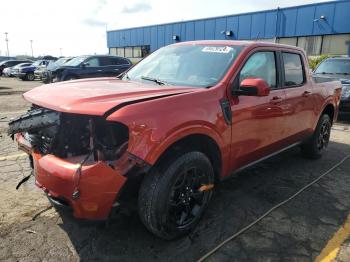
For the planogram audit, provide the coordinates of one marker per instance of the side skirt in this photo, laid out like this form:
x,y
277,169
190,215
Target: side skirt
x,y
261,160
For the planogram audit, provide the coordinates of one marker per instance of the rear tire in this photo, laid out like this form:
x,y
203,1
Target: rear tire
x,y
317,144
170,203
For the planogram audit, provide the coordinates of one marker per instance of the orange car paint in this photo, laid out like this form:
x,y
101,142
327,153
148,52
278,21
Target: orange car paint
x,y
260,125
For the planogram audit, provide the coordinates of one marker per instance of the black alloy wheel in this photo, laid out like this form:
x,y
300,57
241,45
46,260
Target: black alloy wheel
x,y
323,139
318,142
175,194
187,199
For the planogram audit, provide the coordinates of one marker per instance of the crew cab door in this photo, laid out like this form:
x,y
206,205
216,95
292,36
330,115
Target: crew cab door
x,y
299,99
257,122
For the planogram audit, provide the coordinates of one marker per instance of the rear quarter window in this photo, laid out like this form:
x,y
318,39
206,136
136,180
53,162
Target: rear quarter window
x,y
293,69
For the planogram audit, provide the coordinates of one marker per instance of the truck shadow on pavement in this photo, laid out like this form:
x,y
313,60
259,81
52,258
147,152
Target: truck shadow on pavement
x,y
297,231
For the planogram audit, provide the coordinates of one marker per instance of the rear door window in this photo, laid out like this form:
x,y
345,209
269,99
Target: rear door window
x,y
106,61
293,69
119,61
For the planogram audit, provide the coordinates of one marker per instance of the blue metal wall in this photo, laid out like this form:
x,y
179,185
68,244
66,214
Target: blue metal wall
x,y
284,22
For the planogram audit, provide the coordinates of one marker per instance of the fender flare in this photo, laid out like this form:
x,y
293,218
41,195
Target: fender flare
x,y
155,152
327,103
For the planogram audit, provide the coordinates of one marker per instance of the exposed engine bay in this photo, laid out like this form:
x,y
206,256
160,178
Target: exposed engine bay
x,y
67,135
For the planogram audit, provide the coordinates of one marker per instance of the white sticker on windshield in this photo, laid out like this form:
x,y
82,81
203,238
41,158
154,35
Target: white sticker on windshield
x,y
217,49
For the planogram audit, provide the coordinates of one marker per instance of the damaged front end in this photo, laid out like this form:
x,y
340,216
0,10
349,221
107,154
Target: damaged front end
x,y
78,160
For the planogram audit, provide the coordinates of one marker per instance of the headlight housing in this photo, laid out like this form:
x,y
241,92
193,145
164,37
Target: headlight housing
x,y
345,92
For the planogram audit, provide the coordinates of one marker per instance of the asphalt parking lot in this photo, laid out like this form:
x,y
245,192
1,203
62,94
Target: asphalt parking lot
x,y
314,226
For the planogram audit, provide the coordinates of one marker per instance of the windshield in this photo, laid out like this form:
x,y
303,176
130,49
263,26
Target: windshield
x,y
187,65
36,63
76,61
57,63
334,66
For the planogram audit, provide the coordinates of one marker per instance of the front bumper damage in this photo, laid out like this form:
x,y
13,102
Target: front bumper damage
x,y
98,186
87,180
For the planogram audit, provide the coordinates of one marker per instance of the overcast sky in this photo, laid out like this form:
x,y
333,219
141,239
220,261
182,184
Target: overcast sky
x,y
79,26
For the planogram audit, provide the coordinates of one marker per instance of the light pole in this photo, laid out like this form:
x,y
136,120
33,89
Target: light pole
x,y
31,47
7,44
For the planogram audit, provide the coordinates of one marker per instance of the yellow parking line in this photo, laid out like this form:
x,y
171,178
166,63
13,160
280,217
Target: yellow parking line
x,y
11,156
330,251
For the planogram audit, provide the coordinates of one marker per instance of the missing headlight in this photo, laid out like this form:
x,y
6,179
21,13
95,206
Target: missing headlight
x,y
68,135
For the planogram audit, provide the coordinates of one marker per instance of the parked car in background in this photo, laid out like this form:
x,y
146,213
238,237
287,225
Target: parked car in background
x,y
10,71
170,128
39,71
47,74
27,72
7,71
337,68
10,63
92,66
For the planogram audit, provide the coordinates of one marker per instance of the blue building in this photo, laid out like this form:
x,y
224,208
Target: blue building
x,y
322,28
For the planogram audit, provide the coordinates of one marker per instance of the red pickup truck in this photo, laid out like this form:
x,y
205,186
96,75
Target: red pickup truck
x,y
181,120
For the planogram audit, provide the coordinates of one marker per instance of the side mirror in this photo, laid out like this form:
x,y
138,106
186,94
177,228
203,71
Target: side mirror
x,y
252,87
83,65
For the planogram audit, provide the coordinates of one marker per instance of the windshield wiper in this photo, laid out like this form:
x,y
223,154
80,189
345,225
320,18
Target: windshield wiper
x,y
155,80
122,75
342,73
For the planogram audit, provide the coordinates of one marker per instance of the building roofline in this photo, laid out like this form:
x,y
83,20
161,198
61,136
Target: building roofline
x,y
223,16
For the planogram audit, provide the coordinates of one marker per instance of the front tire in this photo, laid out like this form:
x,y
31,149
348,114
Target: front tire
x,y
317,144
174,195
30,76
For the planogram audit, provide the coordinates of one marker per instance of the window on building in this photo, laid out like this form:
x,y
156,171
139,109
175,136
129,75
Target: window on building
x,y
120,51
260,65
113,51
128,52
268,40
311,44
288,41
137,52
335,44
293,69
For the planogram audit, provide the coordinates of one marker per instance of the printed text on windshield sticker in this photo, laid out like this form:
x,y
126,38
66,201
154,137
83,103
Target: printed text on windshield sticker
x,y
217,49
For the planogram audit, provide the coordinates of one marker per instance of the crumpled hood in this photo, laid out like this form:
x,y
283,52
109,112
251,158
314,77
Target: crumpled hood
x,y
97,96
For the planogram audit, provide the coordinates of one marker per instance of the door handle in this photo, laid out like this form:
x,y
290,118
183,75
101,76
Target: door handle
x,y
116,69
276,100
306,94
99,70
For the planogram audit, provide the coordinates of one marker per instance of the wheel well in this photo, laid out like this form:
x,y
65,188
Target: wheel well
x,y
329,110
196,142
70,75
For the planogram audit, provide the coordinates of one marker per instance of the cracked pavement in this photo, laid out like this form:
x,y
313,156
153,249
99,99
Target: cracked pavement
x,y
298,231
